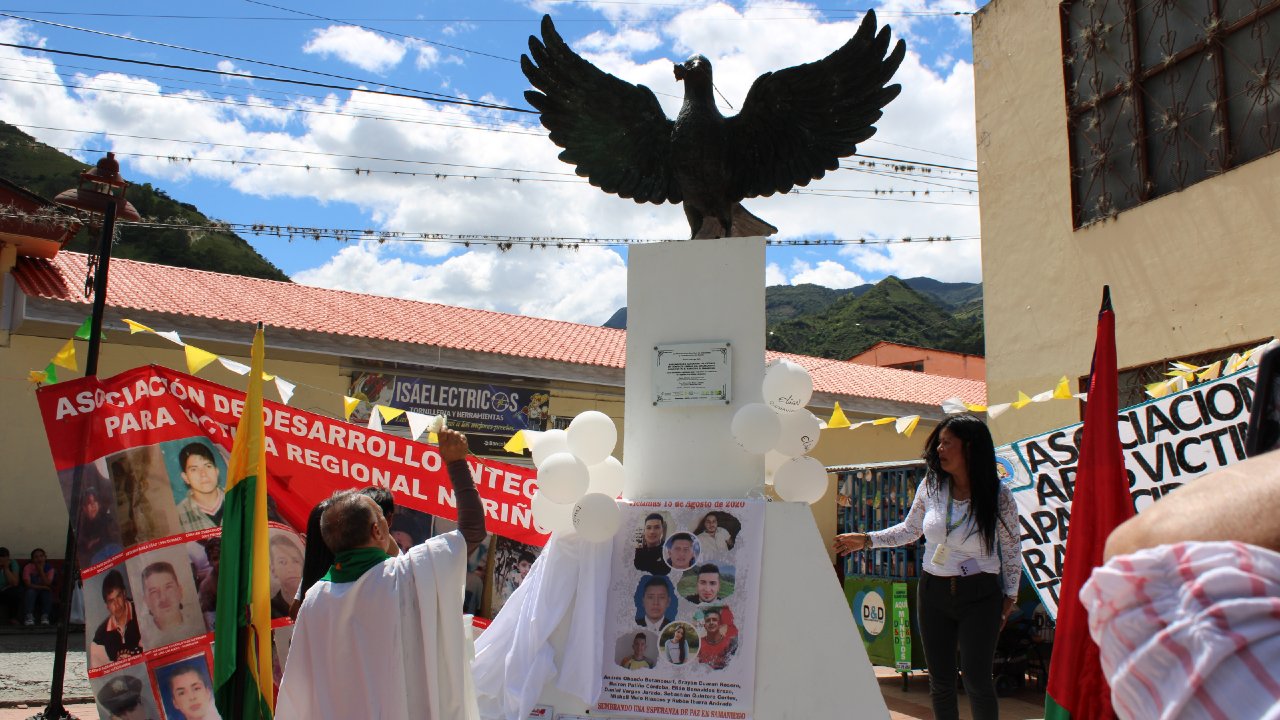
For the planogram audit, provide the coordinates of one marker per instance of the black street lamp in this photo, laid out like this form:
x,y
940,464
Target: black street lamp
x,y
100,192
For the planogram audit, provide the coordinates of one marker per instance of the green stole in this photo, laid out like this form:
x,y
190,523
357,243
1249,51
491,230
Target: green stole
x,y
349,565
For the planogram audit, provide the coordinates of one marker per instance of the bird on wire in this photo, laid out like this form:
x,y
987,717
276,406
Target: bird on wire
x,y
794,127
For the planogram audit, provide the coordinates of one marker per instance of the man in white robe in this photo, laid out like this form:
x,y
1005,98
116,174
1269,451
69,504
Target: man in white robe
x,y
382,637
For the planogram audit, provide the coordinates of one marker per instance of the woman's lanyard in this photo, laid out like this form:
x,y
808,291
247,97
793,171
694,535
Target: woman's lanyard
x,y
949,525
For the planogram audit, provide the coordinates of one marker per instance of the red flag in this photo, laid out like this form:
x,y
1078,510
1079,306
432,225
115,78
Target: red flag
x,y
1077,688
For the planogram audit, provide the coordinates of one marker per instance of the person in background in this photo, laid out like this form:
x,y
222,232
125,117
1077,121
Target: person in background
x,y
118,636
202,508
10,587
37,581
97,529
316,557
972,567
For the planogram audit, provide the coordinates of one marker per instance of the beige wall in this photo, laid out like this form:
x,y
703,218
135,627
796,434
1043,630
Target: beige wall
x,y
1190,271
32,510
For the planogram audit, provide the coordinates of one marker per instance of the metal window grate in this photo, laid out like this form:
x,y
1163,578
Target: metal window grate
x,y
874,497
1162,94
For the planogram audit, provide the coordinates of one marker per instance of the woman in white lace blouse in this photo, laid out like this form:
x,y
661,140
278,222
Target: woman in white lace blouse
x,y
971,568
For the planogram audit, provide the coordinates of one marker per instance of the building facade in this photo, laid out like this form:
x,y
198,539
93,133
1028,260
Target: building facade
x,y
1130,145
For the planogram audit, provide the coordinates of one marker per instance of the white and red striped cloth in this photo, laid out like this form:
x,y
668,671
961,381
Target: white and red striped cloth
x,y
1190,630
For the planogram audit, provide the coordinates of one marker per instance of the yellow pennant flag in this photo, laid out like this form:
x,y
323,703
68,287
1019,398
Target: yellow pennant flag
x,y
884,420
974,407
516,445
348,406
37,377
137,327
388,413
66,357
1211,372
1159,389
907,425
197,359
838,420
1063,389
1021,402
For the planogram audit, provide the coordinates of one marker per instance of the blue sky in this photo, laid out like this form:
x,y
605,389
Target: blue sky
x,y
467,50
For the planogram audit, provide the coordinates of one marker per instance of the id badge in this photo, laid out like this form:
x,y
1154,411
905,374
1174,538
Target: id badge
x,y
969,567
940,555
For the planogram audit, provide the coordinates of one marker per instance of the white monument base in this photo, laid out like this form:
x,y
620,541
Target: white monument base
x,y
810,660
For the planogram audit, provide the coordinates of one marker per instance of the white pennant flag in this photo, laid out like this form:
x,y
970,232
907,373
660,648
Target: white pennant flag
x,y
1045,396
995,411
375,419
171,336
418,422
233,366
952,406
285,389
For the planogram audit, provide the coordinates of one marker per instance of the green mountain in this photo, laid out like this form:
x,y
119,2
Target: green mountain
x,y
889,310
47,172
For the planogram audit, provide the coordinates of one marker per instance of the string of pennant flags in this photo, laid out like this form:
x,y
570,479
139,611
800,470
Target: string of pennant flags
x,y
198,359
1181,375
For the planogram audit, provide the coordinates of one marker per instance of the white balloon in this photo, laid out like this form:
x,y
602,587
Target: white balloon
x,y
607,478
799,435
564,478
787,387
802,479
596,517
755,427
592,436
551,516
772,461
547,444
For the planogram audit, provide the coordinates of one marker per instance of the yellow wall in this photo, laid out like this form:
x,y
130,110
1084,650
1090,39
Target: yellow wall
x,y
569,402
32,510
1189,272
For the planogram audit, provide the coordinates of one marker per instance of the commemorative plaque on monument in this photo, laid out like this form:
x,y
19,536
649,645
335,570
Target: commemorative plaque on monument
x,y
692,374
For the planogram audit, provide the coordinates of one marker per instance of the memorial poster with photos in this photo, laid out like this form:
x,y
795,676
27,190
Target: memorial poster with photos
x,y
152,446
682,609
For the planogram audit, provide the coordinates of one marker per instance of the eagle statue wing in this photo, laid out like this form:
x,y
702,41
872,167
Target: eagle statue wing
x,y
614,133
797,123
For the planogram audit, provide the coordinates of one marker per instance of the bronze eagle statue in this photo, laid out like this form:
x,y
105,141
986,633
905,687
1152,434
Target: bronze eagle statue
x,y
794,126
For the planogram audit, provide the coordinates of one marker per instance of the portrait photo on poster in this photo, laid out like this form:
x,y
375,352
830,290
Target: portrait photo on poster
x,y
99,537
112,631
511,564
145,508
125,694
186,688
170,609
197,472
650,543
637,650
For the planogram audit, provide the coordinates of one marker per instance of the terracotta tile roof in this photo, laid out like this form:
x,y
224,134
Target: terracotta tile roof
x,y
197,293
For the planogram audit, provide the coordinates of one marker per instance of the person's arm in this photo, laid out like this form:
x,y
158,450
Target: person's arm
x,y
907,531
453,450
1239,502
1010,549
10,575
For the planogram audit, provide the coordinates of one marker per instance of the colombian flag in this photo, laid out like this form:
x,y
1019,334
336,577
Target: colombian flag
x,y
242,678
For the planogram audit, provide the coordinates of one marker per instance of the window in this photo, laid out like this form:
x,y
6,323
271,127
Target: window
x,y
1162,94
913,366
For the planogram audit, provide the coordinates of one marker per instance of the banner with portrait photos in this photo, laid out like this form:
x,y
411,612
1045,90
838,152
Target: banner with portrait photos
x,y
681,615
151,447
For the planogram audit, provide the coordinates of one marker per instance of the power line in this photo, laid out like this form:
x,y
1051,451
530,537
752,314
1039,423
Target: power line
x,y
250,60
175,16
918,162
385,32
911,147
885,199
309,111
425,95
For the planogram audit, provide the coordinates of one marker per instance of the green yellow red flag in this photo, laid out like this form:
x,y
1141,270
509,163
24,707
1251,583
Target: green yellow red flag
x,y
242,677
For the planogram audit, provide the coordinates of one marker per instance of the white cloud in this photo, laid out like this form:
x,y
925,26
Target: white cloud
x,y
627,40
586,285
365,49
933,112
229,67
773,275
826,273
427,58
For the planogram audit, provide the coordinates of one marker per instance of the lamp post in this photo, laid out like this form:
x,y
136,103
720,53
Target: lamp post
x,y
101,192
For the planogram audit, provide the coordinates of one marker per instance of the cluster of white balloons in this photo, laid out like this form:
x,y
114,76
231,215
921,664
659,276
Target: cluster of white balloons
x,y
578,479
781,429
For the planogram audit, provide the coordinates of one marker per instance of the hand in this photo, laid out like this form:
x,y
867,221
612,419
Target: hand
x,y
849,542
453,445
1010,607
